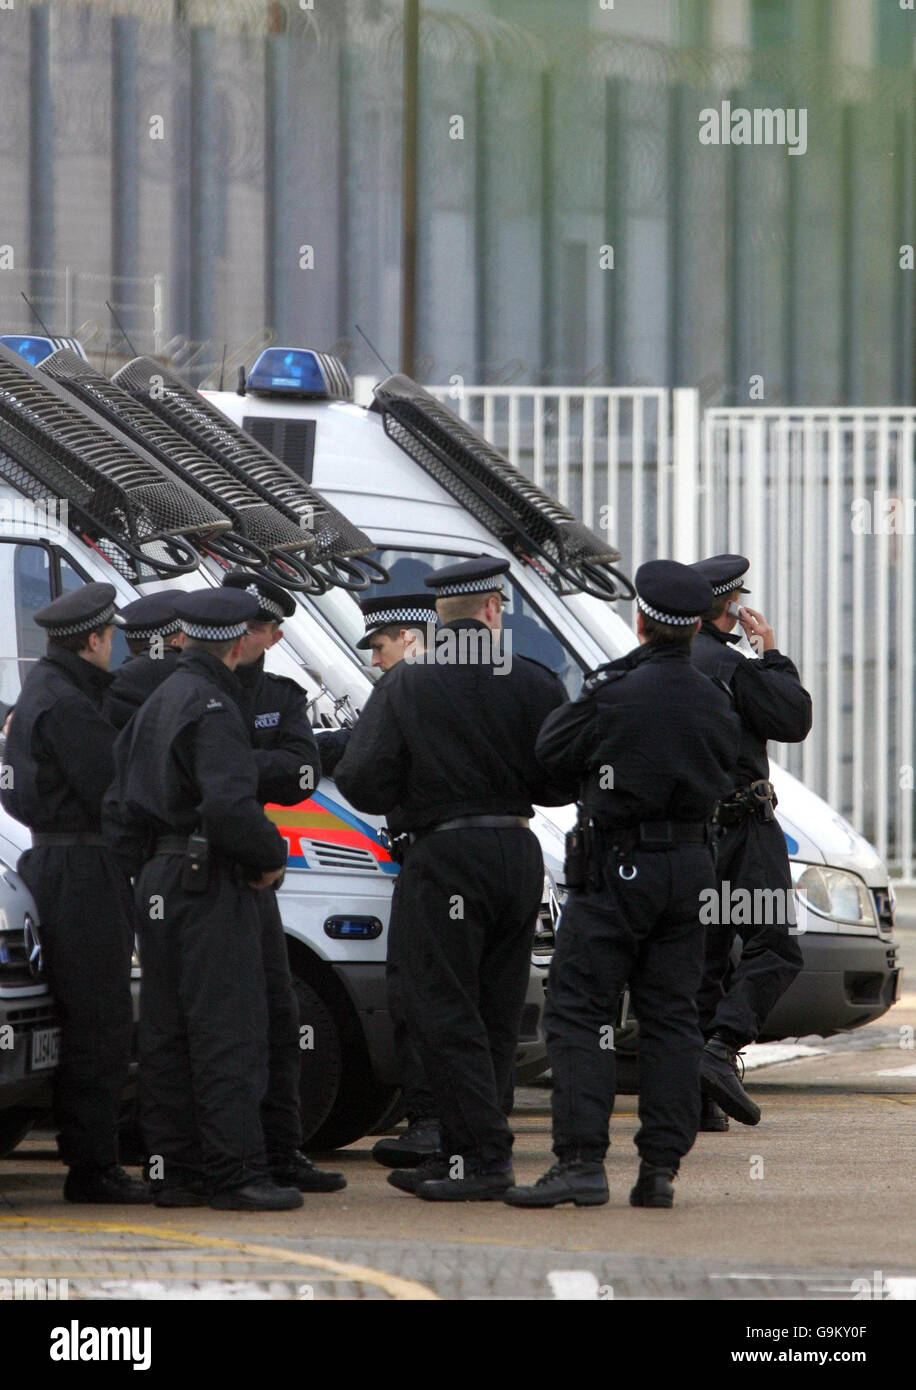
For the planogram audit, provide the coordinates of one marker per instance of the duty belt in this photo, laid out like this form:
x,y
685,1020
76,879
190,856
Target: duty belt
x,y
757,799
656,834
73,837
476,822
397,844
171,844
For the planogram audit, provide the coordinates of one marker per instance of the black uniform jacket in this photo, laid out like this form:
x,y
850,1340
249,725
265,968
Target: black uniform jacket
x,y
184,763
649,739
332,744
438,741
285,751
768,694
59,747
135,681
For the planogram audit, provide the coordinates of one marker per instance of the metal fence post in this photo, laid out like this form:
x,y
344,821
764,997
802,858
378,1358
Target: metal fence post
x,y
685,472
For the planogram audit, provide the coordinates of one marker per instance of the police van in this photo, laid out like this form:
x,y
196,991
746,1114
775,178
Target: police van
x,y
428,490
95,486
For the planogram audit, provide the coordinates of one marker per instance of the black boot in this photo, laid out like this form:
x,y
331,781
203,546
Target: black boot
x,y
105,1187
477,1185
719,1079
579,1181
295,1170
173,1195
653,1187
409,1179
420,1141
712,1119
260,1194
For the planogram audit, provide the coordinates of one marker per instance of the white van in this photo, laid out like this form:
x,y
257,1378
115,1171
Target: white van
x,y
336,896
377,466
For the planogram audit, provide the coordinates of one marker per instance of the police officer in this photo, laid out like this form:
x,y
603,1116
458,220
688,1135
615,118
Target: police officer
x,y
445,749
154,638
59,763
394,624
397,624
750,846
184,804
653,744
289,770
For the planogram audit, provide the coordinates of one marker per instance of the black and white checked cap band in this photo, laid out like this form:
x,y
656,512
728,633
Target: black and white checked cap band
x,y
214,632
660,617
146,634
470,586
101,619
267,604
720,589
385,617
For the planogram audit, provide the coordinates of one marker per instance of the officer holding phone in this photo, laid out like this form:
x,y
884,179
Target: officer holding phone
x,y
750,847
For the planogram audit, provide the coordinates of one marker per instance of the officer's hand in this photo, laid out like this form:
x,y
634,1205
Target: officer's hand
x,y
267,878
759,633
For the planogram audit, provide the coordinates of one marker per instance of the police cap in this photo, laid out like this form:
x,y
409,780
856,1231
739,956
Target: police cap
x,y
402,610
480,576
672,593
216,615
723,572
85,609
153,615
274,602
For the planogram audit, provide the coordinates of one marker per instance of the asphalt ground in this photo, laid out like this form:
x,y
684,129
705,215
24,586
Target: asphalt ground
x,y
815,1203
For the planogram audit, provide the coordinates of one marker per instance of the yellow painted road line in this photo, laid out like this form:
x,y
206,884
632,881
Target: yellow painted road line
x,y
392,1284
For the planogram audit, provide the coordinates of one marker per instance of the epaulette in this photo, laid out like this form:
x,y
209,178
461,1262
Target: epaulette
x,y
534,662
596,679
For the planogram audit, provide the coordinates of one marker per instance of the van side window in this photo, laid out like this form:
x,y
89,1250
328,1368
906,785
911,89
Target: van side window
x,y
31,591
70,579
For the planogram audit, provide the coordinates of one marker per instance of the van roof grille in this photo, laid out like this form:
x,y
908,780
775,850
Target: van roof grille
x,y
115,490
515,510
258,529
338,542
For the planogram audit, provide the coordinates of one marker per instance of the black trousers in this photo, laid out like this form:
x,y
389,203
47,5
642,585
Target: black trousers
x,y
751,855
417,1096
467,905
646,931
87,928
280,1113
203,1026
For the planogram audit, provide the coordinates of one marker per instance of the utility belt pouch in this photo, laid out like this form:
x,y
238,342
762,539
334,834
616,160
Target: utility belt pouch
x,y
195,868
575,866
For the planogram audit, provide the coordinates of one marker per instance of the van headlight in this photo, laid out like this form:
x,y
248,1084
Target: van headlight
x,y
836,894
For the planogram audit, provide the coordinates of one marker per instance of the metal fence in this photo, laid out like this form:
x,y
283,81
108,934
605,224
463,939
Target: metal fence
x,y
823,503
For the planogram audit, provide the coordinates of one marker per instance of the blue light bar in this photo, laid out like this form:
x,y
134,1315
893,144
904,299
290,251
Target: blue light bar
x,y
284,371
36,348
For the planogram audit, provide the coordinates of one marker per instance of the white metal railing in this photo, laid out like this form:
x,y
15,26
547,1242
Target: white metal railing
x,y
808,495
802,493
604,452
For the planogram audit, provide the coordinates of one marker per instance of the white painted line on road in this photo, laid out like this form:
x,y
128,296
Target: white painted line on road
x,y
898,1071
899,1289
573,1283
767,1054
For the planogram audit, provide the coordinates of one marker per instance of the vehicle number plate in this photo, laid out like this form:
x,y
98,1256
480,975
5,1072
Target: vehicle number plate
x,y
45,1048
